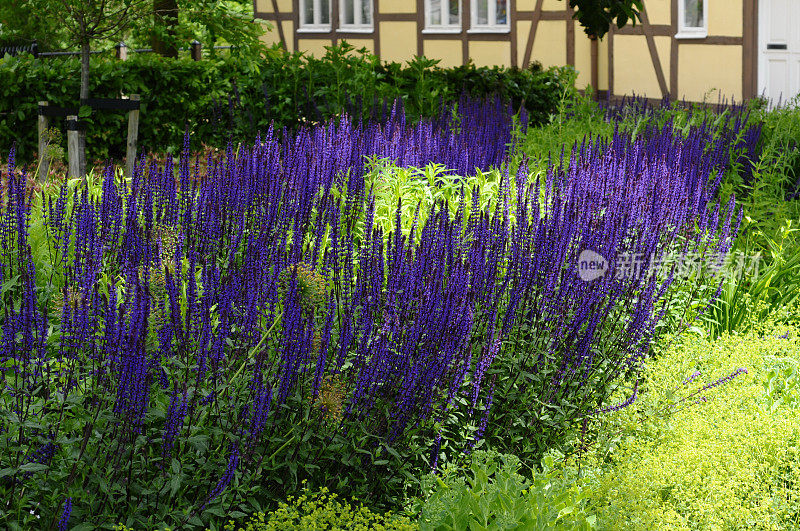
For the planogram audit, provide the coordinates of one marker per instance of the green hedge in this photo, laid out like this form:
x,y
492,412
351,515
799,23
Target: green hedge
x,y
232,98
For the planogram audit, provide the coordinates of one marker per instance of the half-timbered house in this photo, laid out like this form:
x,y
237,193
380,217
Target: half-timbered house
x,y
681,48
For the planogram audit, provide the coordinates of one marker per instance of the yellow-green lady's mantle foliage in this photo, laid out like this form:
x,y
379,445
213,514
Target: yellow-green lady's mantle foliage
x,y
727,461
322,510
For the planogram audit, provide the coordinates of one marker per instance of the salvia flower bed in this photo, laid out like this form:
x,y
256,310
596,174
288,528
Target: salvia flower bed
x,y
185,346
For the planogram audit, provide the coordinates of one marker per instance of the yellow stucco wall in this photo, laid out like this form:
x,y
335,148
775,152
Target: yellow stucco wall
x,y
265,6
659,11
702,67
602,64
633,68
523,29
725,18
583,59
397,6
449,52
315,47
548,5
550,44
270,36
487,53
398,41
288,32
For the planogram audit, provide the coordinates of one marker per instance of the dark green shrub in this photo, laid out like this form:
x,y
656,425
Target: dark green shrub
x,y
234,97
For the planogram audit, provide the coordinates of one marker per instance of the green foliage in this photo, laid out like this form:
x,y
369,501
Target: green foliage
x,y
573,119
322,510
234,96
597,17
211,22
778,170
419,189
770,288
488,492
20,23
725,459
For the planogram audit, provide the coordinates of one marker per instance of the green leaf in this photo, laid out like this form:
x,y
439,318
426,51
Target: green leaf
x,y
84,111
33,467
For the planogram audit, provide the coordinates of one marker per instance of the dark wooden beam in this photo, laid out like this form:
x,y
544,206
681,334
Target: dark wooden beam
x,y
651,45
537,14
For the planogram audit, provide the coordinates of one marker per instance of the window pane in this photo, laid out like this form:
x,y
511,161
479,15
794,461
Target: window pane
x,y
366,12
693,16
482,13
308,12
454,12
501,17
347,16
435,12
325,8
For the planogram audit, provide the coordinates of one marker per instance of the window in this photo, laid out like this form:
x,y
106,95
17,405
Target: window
x,y
315,15
490,15
692,19
443,15
355,15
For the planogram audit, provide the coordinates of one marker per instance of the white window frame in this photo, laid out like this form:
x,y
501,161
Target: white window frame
x,y
688,32
357,26
492,26
313,26
444,6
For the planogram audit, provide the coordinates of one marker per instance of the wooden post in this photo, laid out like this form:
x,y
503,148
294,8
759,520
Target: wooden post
x,y
197,50
44,142
122,51
133,135
595,71
73,147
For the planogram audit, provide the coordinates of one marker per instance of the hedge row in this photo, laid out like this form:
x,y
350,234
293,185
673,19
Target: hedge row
x,y
232,98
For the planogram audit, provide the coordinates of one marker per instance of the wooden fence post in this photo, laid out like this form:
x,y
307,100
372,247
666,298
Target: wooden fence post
x,y
133,135
72,147
197,50
44,156
122,51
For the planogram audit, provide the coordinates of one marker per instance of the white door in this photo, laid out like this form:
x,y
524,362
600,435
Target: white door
x,y
779,49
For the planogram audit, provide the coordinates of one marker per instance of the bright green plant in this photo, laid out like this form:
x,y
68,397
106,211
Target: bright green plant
x,y
773,284
488,492
322,510
674,459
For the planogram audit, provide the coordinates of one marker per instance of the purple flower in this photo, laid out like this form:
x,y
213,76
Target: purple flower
x,y
723,380
625,403
62,523
224,481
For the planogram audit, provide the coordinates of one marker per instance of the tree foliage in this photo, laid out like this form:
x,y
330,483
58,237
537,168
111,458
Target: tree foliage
x,y
596,16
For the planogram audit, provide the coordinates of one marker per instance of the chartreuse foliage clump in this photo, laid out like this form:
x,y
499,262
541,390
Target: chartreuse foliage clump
x,y
323,510
728,457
